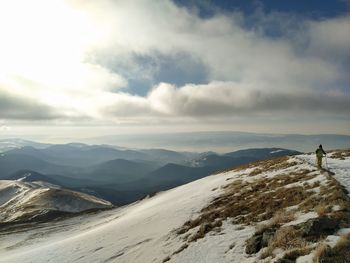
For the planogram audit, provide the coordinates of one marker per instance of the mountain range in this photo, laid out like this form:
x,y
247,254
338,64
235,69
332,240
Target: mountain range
x,y
117,174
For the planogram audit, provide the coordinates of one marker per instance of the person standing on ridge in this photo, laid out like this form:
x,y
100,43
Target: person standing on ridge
x,y
319,154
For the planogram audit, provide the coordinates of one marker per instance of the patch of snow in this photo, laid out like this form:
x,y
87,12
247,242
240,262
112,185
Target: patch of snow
x,y
305,259
343,231
331,240
292,207
302,218
220,246
336,208
277,151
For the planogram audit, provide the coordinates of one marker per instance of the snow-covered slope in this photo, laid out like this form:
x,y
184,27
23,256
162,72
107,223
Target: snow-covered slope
x,y
151,230
22,201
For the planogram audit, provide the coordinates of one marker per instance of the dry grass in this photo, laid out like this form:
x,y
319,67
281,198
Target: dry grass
x,y
293,254
270,198
323,209
340,253
282,217
278,219
249,203
331,194
341,154
286,238
266,165
166,259
183,247
319,252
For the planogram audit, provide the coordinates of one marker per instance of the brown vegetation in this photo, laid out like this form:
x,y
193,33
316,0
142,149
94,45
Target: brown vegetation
x,y
248,203
276,199
340,253
288,238
294,253
340,154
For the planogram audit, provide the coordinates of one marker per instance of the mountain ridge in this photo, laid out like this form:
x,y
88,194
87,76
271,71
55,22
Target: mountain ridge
x,y
206,220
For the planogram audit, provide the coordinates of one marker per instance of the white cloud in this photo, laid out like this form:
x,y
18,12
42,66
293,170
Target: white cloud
x,y
330,38
67,55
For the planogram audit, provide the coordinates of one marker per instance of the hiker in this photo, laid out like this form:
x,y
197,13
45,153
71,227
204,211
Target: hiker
x,y
319,154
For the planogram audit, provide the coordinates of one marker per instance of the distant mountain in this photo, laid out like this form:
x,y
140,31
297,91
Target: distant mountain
x,y
28,201
172,175
167,156
14,143
94,169
262,153
82,155
240,157
120,171
223,141
31,176
31,151
166,177
13,162
218,162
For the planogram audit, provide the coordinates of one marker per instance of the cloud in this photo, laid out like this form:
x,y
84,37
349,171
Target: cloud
x,y
330,38
229,51
89,63
220,99
4,128
22,108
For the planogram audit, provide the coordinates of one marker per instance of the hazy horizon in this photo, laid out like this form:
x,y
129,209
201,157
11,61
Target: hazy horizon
x,y
205,141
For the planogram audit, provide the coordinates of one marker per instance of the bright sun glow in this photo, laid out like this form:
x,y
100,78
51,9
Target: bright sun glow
x,y
43,44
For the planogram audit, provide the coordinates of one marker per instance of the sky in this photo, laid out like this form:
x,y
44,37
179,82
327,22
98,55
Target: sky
x,y
91,68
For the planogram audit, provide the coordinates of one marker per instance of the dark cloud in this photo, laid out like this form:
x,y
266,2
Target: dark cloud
x,y
21,108
228,99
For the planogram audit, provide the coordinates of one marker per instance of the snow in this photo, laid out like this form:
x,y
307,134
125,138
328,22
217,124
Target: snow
x,y
216,247
341,168
305,259
302,218
277,151
141,232
343,231
18,198
145,231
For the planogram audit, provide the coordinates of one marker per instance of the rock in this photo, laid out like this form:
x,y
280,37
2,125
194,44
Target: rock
x,y
317,227
205,228
254,244
259,240
267,236
284,260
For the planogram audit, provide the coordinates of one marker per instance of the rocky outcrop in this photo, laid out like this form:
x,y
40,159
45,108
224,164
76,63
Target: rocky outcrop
x,y
317,227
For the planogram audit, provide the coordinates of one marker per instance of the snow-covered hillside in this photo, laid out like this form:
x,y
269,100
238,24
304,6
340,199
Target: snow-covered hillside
x,y
23,201
209,220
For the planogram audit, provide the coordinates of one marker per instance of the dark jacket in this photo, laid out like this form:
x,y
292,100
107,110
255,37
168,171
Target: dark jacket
x,y
320,152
